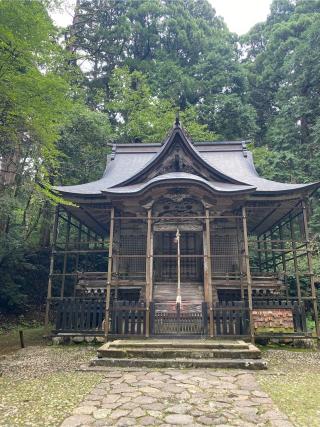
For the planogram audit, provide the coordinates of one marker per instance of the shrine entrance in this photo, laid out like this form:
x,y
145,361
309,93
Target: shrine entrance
x,y
178,307
166,257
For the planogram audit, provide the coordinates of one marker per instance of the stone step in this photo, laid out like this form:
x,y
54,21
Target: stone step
x,y
254,364
185,307
190,292
182,343
180,353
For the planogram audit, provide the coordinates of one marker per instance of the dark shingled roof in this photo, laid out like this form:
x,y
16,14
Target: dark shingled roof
x,y
230,161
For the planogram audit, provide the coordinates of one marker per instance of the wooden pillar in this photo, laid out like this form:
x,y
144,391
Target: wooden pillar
x,y
109,276
51,268
205,267
116,246
212,296
148,272
240,260
65,256
310,268
248,272
151,264
295,260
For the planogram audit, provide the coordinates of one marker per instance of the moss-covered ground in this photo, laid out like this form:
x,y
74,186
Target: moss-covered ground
x,y
40,384
43,401
293,382
10,341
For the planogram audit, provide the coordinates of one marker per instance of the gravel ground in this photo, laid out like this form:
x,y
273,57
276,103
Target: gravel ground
x,y
293,382
46,359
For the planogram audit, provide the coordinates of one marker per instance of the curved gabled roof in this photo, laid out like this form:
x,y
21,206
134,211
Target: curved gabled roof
x,y
229,163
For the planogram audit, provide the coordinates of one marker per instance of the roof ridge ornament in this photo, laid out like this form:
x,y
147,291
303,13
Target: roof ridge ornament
x,y
177,121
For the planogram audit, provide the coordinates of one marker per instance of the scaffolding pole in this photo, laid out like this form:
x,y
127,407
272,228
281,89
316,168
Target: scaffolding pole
x,y
51,268
310,268
109,277
248,272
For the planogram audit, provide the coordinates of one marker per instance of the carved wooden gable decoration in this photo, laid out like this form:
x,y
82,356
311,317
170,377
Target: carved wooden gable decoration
x,y
178,155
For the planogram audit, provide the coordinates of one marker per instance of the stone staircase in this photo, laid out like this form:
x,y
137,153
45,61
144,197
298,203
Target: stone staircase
x,y
179,353
165,294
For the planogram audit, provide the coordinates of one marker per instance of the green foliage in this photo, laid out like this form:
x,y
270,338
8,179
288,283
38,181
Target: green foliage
x,y
282,57
184,51
138,116
86,134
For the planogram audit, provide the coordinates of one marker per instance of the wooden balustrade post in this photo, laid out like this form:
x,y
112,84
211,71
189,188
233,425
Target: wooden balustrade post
x,y
51,268
109,276
248,271
310,268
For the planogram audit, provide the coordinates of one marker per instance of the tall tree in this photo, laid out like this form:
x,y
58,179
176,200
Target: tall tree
x,y
185,51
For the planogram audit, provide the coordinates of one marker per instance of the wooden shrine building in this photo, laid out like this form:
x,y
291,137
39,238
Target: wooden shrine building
x,y
182,238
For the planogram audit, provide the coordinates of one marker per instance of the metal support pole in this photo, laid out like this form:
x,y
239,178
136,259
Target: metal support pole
x,y
310,268
51,268
248,272
109,276
65,257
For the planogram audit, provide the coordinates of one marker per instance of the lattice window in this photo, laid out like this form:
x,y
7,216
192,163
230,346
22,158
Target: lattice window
x,y
132,243
224,251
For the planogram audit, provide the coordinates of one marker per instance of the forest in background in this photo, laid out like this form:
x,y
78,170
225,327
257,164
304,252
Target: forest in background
x,y
120,73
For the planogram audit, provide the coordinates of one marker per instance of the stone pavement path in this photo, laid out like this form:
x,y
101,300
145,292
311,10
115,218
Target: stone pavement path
x,y
171,397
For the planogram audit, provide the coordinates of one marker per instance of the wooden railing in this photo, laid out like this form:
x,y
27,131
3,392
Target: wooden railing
x,y
86,315
178,322
231,318
127,318
79,314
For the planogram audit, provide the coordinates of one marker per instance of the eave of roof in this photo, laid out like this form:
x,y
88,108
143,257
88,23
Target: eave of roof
x,y
181,177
